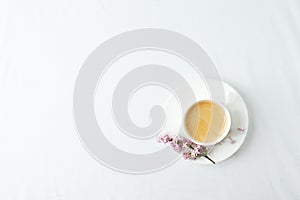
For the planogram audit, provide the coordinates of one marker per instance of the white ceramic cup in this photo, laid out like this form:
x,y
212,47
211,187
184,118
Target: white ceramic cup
x,y
225,130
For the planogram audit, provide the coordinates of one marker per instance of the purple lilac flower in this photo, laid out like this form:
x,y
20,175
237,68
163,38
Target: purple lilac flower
x,y
177,143
185,145
163,139
176,147
190,155
186,155
194,153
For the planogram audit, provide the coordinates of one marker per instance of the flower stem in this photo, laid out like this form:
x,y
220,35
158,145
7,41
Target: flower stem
x,y
209,159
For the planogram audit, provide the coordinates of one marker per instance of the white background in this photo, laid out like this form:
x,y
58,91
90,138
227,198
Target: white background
x,y
255,45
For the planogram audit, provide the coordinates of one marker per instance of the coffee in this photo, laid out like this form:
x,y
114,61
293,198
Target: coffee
x,y
206,121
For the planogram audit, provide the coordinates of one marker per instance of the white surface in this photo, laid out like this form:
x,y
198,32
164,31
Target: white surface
x,y
255,45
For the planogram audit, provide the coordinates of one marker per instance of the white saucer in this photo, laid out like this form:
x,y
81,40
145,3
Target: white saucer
x,y
239,126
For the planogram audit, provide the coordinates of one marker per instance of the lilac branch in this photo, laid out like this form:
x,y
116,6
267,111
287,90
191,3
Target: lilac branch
x,y
188,149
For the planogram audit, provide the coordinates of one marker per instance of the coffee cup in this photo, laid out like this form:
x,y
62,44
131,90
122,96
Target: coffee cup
x,y
206,122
